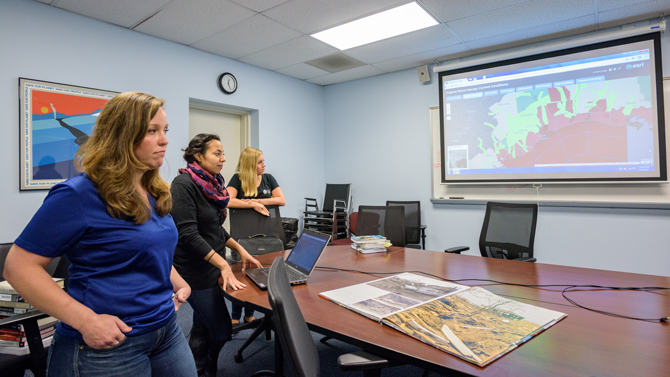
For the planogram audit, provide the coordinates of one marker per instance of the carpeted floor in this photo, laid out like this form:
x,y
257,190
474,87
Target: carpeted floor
x,y
260,354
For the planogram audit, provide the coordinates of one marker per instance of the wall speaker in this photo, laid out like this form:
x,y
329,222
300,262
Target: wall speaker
x,y
423,73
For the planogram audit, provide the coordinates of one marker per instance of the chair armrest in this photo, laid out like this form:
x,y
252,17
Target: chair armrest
x,y
526,259
423,227
311,202
457,249
361,360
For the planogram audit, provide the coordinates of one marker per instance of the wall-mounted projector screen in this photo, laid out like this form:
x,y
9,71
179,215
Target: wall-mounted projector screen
x,y
586,114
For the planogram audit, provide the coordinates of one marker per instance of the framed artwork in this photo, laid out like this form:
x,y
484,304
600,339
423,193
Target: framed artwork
x,y
55,120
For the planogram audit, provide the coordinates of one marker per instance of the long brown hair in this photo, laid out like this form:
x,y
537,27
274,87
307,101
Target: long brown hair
x,y
246,169
108,158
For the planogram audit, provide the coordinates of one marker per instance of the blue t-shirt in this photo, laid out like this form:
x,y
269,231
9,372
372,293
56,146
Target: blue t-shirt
x,y
117,267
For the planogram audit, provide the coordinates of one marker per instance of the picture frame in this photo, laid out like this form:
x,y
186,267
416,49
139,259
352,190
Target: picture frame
x,y
55,120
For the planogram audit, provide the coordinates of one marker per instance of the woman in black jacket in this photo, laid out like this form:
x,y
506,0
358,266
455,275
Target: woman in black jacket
x,y
199,200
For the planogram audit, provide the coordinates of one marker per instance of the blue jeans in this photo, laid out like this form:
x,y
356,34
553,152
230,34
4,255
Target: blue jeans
x,y
237,311
163,352
209,309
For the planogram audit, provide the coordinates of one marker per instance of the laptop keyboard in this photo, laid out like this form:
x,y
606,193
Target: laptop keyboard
x,y
293,276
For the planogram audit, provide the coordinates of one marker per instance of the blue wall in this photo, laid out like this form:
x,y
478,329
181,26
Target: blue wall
x,y
371,132
45,43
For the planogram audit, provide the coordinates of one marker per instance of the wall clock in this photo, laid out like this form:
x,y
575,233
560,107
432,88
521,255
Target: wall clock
x,y
227,83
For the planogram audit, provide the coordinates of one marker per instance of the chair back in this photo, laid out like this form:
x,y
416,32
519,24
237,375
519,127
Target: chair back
x,y
508,231
335,192
290,326
412,220
388,221
353,222
246,222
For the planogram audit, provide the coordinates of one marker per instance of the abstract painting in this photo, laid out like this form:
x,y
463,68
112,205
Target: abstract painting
x,y
55,121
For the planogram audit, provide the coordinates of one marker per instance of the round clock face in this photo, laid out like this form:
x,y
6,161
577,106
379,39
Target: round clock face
x,y
228,83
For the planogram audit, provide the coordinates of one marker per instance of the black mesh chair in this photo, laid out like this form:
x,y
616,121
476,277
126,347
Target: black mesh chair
x,y
246,222
294,335
332,218
415,233
508,232
388,221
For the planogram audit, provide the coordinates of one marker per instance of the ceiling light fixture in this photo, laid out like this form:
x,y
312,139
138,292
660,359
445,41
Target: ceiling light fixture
x,y
387,24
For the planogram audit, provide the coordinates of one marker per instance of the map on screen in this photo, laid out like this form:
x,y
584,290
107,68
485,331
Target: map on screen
x,y
581,116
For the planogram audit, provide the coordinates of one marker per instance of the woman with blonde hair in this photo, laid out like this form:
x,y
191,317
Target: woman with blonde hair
x,y
114,227
252,188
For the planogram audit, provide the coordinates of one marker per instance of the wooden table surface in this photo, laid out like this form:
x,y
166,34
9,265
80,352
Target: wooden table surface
x,y
582,344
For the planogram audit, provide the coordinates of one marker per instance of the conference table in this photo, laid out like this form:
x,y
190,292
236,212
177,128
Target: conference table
x,y
584,343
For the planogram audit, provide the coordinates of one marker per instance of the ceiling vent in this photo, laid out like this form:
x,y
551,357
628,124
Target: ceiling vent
x,y
335,63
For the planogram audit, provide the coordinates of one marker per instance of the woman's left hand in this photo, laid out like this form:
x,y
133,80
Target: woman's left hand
x,y
248,260
180,297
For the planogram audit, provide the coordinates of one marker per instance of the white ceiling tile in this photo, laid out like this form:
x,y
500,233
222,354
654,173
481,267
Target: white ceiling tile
x,y
520,17
259,5
535,34
188,21
605,5
633,13
246,37
302,71
310,16
125,13
451,10
295,51
427,57
426,39
352,74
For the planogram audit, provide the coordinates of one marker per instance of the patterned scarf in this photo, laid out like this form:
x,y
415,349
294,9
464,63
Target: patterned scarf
x,y
212,186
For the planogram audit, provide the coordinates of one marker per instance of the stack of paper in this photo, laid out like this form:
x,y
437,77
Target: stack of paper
x,y
369,244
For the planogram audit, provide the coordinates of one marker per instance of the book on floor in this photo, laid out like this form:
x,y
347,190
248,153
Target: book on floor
x,y
468,322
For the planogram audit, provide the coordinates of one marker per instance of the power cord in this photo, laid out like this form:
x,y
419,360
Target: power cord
x,y
567,288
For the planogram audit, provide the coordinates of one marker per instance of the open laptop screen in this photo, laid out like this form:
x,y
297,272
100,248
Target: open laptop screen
x,y
306,252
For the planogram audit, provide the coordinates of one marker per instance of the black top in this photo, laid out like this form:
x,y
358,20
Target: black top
x,y
268,184
199,224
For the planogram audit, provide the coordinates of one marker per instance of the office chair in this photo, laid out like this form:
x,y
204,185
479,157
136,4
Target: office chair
x,y
508,232
351,230
36,361
388,221
294,336
332,217
246,222
245,225
415,233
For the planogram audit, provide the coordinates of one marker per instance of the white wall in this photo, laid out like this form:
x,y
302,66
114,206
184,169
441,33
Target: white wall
x,y
378,139
45,43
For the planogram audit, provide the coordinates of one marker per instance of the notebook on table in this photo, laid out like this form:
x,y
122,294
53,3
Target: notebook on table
x,y
300,261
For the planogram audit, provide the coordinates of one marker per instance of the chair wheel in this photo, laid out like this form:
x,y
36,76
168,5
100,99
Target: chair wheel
x,y
238,358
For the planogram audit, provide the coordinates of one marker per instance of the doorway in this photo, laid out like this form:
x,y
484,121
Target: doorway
x,y
233,127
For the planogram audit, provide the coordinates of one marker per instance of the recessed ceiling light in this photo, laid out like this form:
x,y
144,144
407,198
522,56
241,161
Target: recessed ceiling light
x,y
387,24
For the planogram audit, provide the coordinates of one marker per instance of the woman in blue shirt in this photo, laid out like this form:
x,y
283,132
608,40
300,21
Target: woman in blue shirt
x,y
113,224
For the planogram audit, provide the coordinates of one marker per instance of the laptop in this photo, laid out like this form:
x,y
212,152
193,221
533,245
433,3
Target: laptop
x,y
300,261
